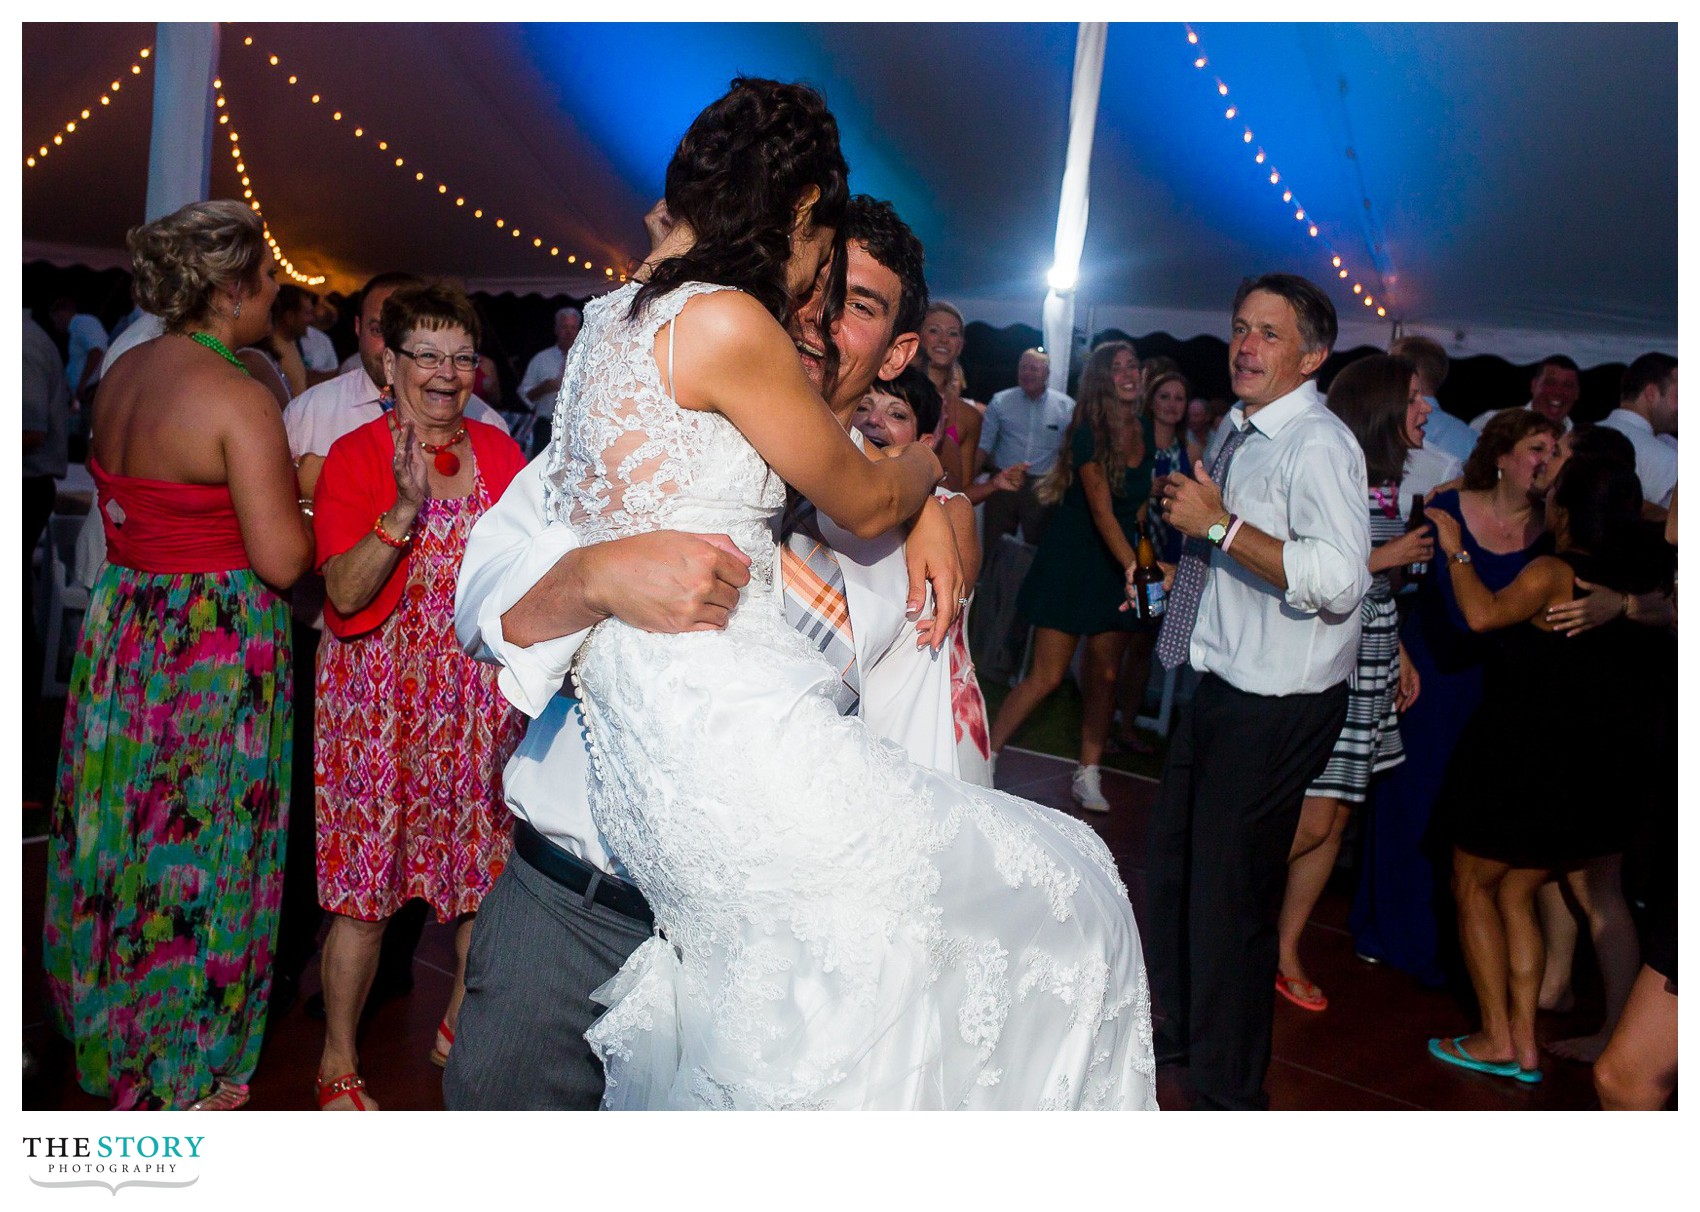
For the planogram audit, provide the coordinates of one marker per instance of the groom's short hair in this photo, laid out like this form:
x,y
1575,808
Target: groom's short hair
x,y
874,224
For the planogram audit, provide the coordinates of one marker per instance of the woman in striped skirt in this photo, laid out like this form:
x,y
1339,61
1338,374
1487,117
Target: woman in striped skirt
x,y
1379,400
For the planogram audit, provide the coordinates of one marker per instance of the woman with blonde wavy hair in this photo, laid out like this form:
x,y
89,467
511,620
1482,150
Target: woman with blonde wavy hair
x,y
1100,484
165,864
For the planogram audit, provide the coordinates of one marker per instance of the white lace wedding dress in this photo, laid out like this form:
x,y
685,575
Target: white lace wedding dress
x,y
837,927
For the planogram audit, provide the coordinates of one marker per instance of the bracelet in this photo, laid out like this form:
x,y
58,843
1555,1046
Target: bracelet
x,y
384,535
305,505
1233,530
1624,613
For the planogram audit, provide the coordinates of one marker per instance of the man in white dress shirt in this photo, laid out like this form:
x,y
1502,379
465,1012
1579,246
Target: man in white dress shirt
x,y
1265,606
1553,392
542,380
560,921
1646,409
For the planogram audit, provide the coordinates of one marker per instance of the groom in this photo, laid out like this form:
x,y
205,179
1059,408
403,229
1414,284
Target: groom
x,y
560,921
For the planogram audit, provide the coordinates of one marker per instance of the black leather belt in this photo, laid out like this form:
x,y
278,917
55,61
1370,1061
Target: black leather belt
x,y
576,875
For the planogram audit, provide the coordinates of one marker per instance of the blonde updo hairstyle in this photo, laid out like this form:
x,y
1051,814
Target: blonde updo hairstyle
x,y
184,259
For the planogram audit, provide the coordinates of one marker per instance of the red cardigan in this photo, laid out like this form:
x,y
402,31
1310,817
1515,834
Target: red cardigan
x,y
357,483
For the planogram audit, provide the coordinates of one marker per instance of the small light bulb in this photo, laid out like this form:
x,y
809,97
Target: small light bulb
x,y
85,113
1343,273
274,60
337,116
30,161
358,131
1381,311
115,86
515,233
1286,195
247,42
1336,262
1274,176
146,51
477,214
587,264
1200,61
383,145
418,176
135,69
609,272
499,223
217,83
554,252
70,127
1260,156
571,258
399,162
105,100
1221,88
292,79
1357,288
1299,215
219,103
224,119
1232,110
1191,37
442,189
1248,134
460,201
58,140
537,242
1313,229
1368,302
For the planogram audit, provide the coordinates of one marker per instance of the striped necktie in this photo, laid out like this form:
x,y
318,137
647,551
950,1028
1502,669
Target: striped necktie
x,y
814,599
1174,641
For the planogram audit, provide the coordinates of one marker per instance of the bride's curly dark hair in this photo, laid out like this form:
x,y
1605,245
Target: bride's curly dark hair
x,y
737,177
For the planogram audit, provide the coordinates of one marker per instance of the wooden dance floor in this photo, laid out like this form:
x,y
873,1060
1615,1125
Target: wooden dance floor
x,y
1365,1052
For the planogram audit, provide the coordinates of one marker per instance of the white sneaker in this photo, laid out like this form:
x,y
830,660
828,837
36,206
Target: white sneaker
x,y
1088,791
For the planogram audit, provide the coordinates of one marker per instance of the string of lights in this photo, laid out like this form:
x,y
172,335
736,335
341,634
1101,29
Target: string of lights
x,y
437,185
104,101
1288,197
221,103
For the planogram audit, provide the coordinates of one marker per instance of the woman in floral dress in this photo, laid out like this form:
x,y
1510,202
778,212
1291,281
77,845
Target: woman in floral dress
x,y
412,734
165,860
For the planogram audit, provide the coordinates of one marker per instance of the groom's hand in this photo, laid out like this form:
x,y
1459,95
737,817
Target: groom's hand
x,y
666,581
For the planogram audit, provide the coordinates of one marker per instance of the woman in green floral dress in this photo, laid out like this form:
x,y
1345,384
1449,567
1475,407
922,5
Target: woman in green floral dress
x,y
166,850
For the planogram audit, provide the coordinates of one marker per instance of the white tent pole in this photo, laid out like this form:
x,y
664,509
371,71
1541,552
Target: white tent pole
x,y
180,151
1071,210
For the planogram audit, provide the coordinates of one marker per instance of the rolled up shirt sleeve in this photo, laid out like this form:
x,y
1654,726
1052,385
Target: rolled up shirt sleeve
x,y
1327,559
510,549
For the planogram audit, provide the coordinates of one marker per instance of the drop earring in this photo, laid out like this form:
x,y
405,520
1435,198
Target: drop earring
x,y
236,312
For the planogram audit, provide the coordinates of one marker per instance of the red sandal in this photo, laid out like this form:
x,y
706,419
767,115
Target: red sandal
x,y
441,1045
350,1084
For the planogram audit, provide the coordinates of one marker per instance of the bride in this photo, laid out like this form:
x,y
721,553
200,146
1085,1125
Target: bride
x,y
837,927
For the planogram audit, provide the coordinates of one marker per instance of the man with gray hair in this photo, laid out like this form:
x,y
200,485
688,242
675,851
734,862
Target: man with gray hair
x,y
543,380
1264,605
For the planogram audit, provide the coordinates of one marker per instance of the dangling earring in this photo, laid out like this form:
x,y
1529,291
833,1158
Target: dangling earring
x,y
236,312
1499,473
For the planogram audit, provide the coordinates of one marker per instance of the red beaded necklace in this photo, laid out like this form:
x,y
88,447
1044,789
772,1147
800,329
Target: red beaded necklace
x,y
446,461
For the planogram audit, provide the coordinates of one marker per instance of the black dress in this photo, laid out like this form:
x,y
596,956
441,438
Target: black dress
x,y
1539,777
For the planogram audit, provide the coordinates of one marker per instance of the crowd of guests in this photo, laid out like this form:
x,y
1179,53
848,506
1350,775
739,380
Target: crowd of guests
x,y
270,717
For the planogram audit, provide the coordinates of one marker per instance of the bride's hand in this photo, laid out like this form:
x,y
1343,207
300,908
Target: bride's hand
x,y
931,553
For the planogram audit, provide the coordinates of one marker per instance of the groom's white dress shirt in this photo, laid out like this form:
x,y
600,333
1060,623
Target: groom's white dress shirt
x,y
905,690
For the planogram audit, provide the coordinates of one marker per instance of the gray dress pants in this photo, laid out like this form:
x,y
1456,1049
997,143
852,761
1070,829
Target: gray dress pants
x,y
537,951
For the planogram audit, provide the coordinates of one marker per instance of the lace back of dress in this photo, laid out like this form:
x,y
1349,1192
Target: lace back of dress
x,y
621,448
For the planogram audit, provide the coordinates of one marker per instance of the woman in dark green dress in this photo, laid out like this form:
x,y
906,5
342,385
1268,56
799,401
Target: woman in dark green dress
x,y
1100,484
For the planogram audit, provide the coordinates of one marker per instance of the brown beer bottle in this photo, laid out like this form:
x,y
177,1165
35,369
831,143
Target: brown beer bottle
x,y
1418,568
1147,578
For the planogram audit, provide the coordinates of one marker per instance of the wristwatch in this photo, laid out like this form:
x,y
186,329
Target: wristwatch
x,y
1461,556
1219,530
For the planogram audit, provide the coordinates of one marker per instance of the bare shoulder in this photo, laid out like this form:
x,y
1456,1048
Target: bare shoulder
x,y
724,316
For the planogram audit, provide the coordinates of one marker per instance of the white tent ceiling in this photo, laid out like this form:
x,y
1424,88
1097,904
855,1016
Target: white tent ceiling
x,y
1510,189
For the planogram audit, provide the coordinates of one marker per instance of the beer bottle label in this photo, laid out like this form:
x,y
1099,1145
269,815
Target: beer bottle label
x,y
1154,600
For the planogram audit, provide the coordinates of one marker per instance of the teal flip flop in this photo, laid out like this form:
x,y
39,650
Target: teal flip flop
x,y
1464,1060
1529,1077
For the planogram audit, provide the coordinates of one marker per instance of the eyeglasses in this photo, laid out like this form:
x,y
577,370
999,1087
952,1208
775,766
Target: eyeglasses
x,y
432,359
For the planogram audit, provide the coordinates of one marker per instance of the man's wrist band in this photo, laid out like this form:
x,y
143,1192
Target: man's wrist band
x,y
1233,529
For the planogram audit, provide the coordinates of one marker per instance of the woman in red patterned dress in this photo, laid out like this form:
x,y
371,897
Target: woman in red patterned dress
x,y
411,733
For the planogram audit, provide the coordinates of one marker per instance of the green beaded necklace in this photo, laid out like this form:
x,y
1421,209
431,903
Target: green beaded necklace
x,y
211,342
